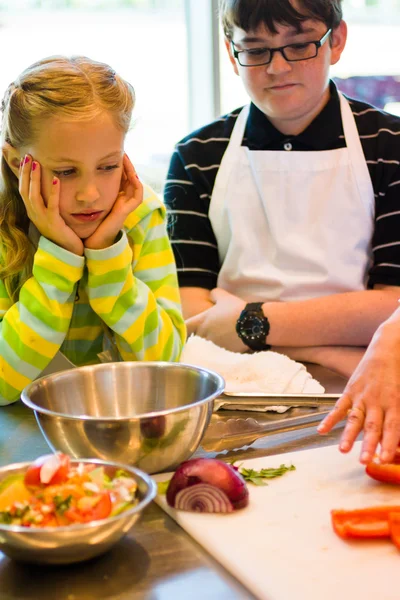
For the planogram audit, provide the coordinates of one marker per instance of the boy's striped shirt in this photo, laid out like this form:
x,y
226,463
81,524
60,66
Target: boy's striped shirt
x,y
196,160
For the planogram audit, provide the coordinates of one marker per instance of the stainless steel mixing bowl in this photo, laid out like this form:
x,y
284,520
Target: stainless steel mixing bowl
x,y
75,543
149,414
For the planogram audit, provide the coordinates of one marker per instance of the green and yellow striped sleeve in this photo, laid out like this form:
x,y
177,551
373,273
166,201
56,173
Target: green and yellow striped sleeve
x,y
133,287
33,329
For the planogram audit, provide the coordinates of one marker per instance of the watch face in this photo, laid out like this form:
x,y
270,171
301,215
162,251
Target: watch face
x,y
253,328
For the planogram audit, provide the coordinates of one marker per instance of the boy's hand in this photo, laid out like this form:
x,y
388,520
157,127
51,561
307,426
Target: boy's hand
x,y
129,198
47,219
218,323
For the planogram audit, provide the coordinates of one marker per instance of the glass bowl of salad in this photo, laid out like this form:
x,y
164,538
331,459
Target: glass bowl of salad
x,y
59,511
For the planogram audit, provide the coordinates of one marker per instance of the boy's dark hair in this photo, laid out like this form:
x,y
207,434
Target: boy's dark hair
x,y
250,14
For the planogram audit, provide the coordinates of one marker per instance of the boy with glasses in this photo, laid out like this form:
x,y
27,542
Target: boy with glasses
x,y
286,213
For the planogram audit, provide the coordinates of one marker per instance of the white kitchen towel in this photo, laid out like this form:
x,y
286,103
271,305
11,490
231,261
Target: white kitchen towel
x,y
266,371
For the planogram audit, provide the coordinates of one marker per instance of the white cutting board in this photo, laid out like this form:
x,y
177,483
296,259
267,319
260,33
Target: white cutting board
x,y
282,546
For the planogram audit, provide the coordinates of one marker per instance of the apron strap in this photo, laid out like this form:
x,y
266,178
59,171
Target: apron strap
x,y
357,157
229,158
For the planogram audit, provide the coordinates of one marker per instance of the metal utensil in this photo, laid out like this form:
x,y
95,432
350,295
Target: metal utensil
x,y
234,433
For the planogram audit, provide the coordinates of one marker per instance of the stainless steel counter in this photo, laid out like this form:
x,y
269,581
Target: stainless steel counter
x,y
157,560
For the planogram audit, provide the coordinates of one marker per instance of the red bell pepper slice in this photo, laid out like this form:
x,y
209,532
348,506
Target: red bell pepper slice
x,y
372,522
387,473
394,525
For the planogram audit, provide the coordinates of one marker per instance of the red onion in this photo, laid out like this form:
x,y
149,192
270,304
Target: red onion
x,y
203,498
229,488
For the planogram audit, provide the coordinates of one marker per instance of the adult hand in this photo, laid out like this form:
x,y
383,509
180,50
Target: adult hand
x,y
218,323
45,215
129,198
371,399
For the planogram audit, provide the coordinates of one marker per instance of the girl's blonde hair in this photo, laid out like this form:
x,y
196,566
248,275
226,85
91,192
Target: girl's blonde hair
x,y
75,88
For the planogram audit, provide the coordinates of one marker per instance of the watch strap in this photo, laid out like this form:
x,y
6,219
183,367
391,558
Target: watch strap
x,y
254,306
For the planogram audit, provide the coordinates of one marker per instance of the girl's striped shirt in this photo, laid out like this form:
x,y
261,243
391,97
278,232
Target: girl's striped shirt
x,y
130,289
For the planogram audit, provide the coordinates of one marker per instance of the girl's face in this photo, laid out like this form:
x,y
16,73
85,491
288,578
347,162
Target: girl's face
x,y
86,157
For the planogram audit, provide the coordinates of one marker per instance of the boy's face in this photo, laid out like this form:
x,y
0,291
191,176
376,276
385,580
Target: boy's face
x,y
291,94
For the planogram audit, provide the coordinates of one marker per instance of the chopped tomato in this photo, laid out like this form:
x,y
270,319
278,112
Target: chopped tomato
x,y
388,473
370,522
49,469
92,509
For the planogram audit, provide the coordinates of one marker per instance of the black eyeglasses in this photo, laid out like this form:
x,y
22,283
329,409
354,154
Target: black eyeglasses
x,y
256,57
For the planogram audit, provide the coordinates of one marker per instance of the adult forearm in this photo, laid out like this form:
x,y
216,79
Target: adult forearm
x,y
348,319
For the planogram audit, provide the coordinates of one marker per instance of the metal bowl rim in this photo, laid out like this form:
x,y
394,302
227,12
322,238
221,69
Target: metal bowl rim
x,y
161,364
150,495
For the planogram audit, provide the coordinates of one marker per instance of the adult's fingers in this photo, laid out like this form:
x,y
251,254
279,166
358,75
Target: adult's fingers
x,y
373,424
390,435
338,413
355,422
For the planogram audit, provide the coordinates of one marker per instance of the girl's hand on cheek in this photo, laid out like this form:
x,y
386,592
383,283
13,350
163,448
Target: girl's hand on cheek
x,y
129,198
47,219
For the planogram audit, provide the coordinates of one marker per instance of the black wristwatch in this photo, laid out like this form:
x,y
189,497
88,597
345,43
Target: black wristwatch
x,y
253,327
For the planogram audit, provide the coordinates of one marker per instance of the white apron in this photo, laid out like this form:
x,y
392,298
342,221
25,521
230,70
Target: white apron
x,y
293,225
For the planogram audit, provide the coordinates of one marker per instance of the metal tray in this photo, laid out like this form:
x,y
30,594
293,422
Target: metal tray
x,y
231,400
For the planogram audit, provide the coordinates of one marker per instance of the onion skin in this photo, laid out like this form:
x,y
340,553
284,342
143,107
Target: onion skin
x,y
214,473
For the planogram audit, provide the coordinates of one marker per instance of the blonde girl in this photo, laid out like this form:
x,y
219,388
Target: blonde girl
x,y
85,258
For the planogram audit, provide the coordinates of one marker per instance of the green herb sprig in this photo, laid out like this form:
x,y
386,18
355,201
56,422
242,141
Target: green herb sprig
x,y
259,477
